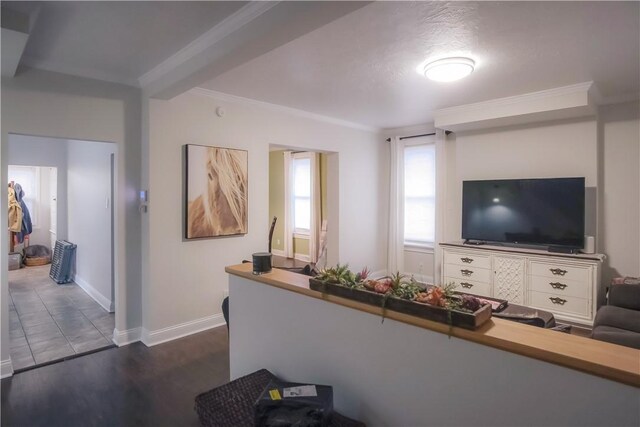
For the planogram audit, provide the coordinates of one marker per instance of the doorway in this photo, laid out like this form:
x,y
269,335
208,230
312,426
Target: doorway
x,y
303,196
67,189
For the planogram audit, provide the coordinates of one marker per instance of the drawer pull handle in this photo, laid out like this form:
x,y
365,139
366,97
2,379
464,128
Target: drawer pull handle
x,y
558,285
557,300
558,271
466,272
466,260
466,285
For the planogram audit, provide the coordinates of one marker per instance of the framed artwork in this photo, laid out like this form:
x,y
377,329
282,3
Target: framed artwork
x,y
217,192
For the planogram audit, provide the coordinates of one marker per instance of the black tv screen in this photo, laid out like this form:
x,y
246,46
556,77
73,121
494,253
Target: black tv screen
x,y
525,211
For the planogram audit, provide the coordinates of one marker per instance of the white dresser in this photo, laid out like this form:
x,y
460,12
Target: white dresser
x,y
566,285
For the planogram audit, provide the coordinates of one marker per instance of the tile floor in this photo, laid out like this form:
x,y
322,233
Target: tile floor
x,y
48,321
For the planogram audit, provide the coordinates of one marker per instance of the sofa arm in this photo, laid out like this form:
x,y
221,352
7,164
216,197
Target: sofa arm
x,y
625,296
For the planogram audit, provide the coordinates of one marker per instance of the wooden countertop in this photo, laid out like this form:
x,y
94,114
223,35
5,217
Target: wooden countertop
x,y
614,362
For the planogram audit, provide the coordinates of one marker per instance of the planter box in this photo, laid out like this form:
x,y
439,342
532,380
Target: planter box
x,y
430,312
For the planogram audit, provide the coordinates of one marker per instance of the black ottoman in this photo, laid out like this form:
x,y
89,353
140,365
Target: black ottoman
x,y
231,405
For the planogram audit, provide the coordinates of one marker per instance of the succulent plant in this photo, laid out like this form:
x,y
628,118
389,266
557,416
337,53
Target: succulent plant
x,y
363,275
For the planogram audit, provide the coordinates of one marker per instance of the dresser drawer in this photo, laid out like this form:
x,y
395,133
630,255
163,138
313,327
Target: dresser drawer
x,y
559,304
470,286
465,272
560,271
466,259
560,286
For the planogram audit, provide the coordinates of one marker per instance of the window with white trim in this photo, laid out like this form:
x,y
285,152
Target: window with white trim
x,y
29,179
301,193
419,194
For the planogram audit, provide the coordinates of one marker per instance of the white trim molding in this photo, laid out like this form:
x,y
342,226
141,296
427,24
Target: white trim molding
x,y
281,108
151,338
229,25
106,303
277,252
578,100
6,368
126,337
378,274
301,257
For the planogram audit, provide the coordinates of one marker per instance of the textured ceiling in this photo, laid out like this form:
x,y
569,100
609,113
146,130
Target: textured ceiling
x,y
361,67
115,40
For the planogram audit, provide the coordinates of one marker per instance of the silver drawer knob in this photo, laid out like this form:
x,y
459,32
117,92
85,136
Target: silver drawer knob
x,y
558,285
466,285
466,260
466,272
558,271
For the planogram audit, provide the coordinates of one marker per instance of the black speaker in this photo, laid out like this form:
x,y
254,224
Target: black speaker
x,y
261,262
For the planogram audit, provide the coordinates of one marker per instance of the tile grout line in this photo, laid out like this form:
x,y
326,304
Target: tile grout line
x,y
54,321
23,331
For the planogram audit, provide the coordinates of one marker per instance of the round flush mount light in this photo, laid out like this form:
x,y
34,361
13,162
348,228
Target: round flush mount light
x,y
449,69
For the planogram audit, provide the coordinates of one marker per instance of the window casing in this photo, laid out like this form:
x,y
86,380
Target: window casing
x,y
419,195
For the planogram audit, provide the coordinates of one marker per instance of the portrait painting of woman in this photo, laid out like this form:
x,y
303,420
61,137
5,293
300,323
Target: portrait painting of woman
x,y
217,192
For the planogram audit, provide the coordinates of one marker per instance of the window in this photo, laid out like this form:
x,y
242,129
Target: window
x,y
301,193
419,194
28,177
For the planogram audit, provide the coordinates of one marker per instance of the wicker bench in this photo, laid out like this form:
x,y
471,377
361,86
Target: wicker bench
x,y
232,404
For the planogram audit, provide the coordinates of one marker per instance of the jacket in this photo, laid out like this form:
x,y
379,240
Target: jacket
x,y
26,226
15,213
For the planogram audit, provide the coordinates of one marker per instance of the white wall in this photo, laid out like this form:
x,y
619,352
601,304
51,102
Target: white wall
x,y
89,217
621,131
37,151
187,279
56,105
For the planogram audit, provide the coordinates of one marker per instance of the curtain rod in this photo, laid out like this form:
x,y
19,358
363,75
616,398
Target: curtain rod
x,y
446,132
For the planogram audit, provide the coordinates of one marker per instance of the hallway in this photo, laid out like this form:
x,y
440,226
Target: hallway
x,y
48,321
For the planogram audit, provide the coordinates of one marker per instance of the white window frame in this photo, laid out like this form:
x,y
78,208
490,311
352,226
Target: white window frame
x,y
301,233
415,245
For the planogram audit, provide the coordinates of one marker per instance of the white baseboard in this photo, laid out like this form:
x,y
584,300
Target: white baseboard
x,y
378,274
151,338
301,257
6,368
421,278
106,303
125,337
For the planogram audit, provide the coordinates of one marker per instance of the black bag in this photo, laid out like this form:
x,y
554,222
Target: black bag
x,y
276,407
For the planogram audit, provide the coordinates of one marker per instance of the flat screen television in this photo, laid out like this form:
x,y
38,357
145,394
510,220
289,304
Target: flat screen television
x,y
547,212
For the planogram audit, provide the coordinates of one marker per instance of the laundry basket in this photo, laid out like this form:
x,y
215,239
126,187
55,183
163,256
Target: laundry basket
x,y
62,262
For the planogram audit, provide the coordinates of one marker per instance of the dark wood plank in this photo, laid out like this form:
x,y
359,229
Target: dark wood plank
x,y
131,385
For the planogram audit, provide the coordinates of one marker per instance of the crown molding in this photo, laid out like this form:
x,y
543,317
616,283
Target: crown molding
x,y
88,73
281,108
232,23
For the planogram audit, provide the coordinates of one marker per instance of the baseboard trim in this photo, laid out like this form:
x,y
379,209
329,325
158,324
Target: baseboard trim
x,y
104,302
151,338
125,337
301,257
6,368
378,274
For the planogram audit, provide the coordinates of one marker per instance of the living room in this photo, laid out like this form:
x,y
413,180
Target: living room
x,y
343,81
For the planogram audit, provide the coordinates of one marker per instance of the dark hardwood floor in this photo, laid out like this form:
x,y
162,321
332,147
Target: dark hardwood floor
x,y
129,386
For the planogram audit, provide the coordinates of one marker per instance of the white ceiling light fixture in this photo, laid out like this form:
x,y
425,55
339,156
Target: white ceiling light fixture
x,y
449,69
